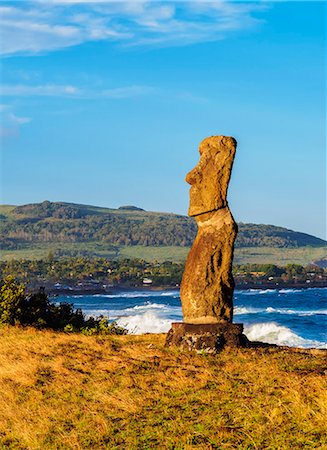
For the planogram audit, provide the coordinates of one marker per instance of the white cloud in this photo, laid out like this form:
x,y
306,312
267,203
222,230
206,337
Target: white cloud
x,y
36,30
43,90
70,91
38,26
18,120
10,122
50,90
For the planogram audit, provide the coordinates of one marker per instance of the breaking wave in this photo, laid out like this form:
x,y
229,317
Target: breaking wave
x,y
290,291
269,315
295,312
147,305
276,291
257,291
238,310
148,322
272,333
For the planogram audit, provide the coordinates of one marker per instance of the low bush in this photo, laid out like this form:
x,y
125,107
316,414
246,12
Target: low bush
x,y
36,310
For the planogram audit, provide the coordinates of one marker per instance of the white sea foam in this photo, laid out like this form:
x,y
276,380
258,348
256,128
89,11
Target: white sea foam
x,y
148,322
271,310
151,322
246,310
268,291
295,312
170,294
273,333
312,313
290,291
277,290
139,294
147,305
258,291
156,321
163,310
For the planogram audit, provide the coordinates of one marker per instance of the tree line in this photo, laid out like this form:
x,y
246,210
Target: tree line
x,y
132,272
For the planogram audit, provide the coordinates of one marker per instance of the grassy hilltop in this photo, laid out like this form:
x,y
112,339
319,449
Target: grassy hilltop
x,y
68,229
130,392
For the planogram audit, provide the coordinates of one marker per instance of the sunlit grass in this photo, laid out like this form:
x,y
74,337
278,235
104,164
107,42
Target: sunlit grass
x,y
61,391
160,254
279,256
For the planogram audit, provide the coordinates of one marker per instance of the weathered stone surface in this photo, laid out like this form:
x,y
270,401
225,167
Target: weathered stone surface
x,y
206,338
207,286
209,179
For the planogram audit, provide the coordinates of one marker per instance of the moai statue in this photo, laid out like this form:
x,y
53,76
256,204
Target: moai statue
x,y
207,286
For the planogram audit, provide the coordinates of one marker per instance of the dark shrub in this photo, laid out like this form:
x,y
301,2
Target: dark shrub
x,y
36,310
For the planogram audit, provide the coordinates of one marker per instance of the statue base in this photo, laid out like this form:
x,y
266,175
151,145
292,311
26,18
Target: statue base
x,y
206,338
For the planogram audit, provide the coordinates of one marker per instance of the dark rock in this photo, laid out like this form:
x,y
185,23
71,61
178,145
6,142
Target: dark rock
x,y
206,338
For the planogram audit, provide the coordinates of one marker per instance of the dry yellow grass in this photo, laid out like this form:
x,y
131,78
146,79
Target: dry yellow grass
x,y
61,391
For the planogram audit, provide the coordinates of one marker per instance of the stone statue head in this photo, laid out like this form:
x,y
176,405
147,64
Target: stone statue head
x,y
209,179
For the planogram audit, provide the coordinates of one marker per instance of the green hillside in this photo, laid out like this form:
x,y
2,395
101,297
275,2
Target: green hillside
x,y
72,229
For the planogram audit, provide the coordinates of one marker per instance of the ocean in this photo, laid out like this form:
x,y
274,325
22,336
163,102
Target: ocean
x,y
293,317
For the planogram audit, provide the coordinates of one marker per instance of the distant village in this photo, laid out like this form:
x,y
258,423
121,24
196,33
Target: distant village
x,y
78,275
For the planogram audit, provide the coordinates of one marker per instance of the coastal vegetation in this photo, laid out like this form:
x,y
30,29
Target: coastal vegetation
x,y
31,231
36,310
71,391
96,273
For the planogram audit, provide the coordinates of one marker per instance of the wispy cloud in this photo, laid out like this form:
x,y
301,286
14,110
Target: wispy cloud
x,y
43,90
32,28
38,26
18,120
86,93
54,90
10,122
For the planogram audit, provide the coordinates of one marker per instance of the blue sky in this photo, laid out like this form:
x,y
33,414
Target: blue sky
x,y
105,103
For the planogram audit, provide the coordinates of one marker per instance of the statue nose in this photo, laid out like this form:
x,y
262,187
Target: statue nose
x,y
191,177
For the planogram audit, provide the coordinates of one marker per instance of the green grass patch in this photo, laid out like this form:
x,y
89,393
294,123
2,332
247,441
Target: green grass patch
x,y
279,256
160,254
259,255
42,249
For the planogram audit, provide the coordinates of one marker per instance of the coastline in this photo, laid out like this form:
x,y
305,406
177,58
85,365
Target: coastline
x,y
54,292
292,317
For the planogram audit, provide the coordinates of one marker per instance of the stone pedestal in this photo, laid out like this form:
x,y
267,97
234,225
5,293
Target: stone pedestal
x,y
207,338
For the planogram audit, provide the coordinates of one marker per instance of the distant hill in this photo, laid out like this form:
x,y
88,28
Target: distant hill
x,y
131,208
48,222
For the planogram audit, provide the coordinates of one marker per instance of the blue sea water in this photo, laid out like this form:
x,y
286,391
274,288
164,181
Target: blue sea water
x,y
294,317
